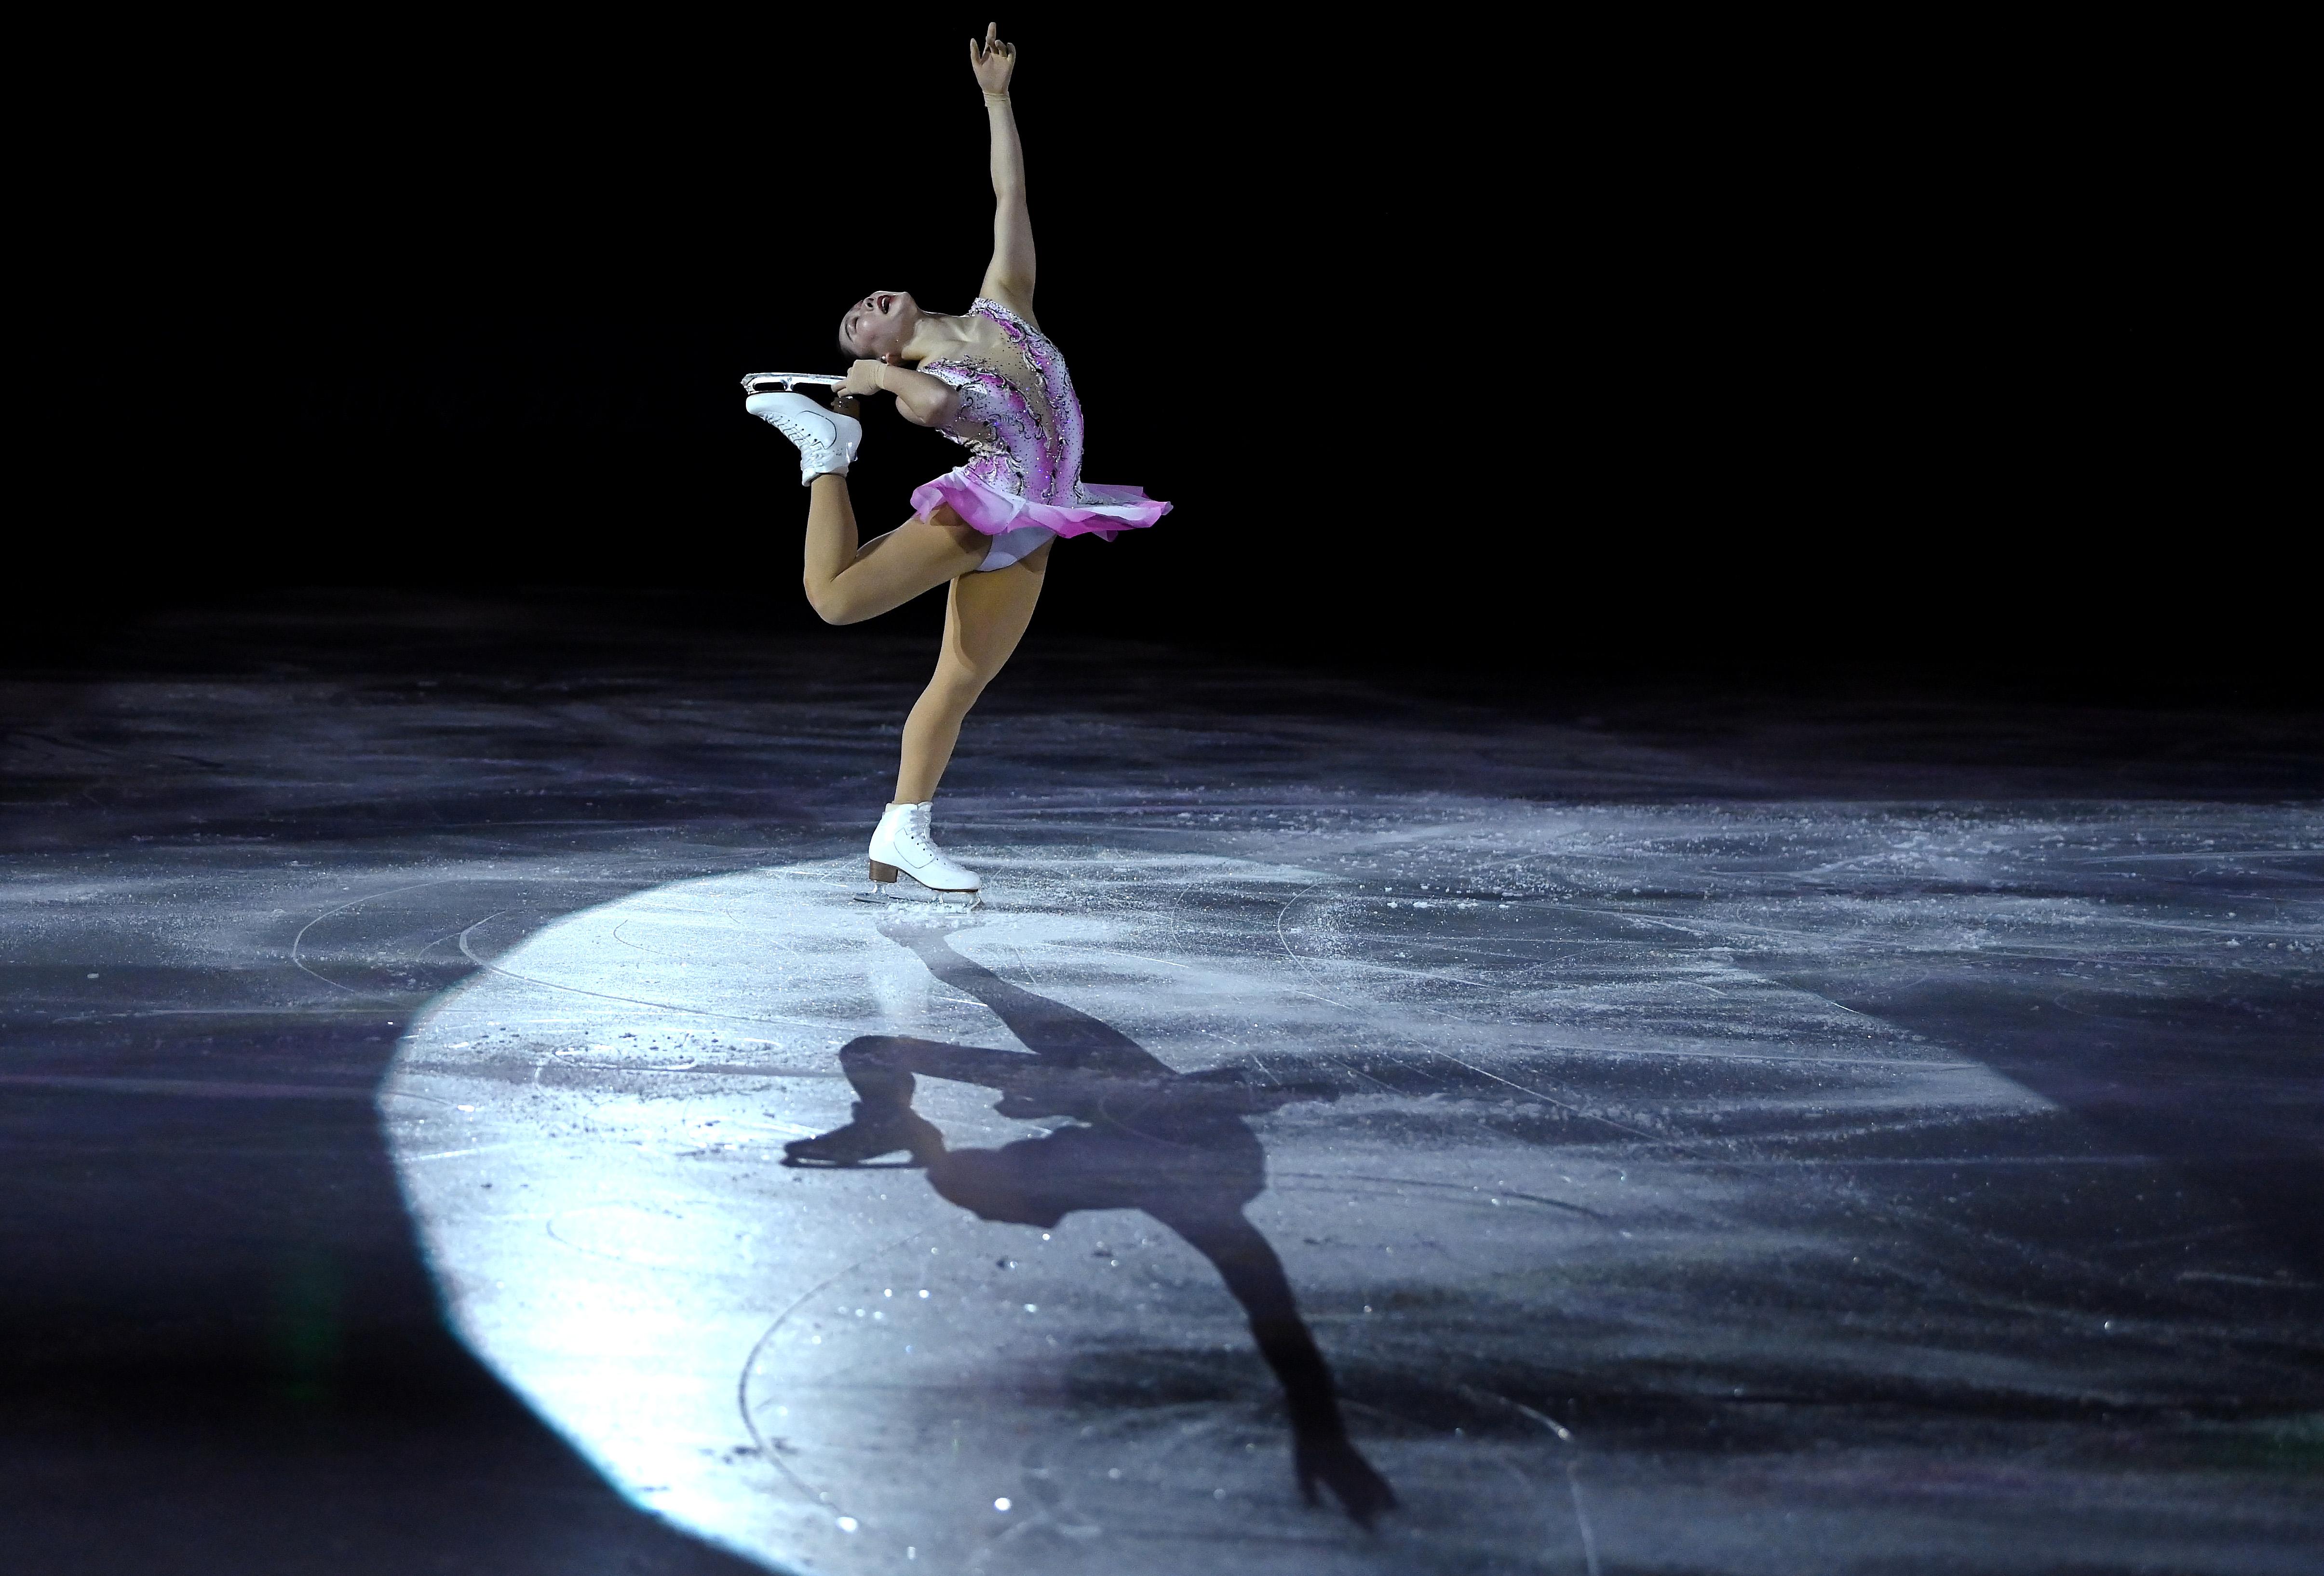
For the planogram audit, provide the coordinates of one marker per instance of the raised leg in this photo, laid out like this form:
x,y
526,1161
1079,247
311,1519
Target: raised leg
x,y
847,584
985,616
879,1067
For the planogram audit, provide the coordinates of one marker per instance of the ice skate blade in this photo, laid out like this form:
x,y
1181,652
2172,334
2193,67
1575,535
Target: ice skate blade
x,y
764,382
808,1163
892,895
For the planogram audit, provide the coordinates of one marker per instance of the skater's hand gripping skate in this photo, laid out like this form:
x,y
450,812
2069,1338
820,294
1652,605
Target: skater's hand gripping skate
x,y
920,400
862,378
993,60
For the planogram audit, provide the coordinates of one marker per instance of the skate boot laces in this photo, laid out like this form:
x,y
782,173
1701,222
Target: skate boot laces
x,y
808,429
826,439
916,837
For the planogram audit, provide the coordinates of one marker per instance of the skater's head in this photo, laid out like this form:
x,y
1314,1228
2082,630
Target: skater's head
x,y
879,327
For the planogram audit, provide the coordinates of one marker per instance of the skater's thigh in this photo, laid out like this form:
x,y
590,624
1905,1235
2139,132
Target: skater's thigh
x,y
937,1059
917,556
987,615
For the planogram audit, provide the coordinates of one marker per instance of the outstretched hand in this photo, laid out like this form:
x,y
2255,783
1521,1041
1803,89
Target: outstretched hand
x,y
1363,1493
991,60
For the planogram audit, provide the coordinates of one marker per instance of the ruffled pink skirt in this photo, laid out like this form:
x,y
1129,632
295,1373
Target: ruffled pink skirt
x,y
995,512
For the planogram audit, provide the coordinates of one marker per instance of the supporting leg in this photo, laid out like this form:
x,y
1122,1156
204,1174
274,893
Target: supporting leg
x,y
1058,1035
985,615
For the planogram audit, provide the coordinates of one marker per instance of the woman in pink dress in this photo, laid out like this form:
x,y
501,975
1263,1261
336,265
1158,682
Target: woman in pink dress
x,y
993,383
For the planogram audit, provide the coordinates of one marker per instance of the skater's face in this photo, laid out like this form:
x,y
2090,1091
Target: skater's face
x,y
877,326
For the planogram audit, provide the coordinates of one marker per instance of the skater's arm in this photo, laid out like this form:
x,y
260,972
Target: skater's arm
x,y
920,400
1008,280
1321,1452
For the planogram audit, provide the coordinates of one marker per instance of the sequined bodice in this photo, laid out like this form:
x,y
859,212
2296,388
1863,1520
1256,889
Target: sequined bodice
x,y
1018,414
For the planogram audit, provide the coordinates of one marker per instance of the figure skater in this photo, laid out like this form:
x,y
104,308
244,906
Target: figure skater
x,y
1146,1137
990,381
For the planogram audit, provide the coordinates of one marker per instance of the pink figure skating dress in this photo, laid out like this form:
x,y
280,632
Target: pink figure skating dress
x,y
1019,418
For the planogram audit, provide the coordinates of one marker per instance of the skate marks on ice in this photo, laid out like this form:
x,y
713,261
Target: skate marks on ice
x,y
1592,1184
611,1087
1135,1135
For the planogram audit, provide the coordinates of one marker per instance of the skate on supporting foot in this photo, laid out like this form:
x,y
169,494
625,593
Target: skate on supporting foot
x,y
873,1131
886,892
827,440
903,846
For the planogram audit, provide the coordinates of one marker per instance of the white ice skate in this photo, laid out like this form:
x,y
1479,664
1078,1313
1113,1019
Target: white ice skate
x,y
902,844
826,439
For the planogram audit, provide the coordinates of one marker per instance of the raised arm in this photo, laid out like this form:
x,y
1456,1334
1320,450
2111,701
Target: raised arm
x,y
1320,1448
1008,280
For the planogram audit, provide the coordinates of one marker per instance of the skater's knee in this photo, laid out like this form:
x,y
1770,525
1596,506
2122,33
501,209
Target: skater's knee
x,y
955,688
869,1050
834,604
873,1064
962,676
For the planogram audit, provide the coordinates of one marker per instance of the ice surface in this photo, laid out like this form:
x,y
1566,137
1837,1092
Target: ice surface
x,y
1770,1137
1652,1122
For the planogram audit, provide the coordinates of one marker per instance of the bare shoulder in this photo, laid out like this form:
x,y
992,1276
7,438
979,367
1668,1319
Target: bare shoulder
x,y
986,335
1020,305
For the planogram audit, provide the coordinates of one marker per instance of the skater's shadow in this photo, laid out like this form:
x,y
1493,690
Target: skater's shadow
x,y
1146,1138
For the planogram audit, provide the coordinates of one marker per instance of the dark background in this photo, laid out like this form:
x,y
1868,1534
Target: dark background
x,y
1559,355
1719,359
